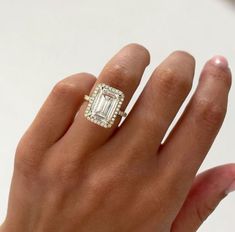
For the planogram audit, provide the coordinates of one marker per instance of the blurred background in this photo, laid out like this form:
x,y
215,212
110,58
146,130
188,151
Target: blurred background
x,y
41,42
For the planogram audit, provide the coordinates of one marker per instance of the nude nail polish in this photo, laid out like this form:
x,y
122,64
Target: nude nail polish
x,y
231,188
220,61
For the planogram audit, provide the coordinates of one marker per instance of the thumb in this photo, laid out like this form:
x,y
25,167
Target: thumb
x,y
208,189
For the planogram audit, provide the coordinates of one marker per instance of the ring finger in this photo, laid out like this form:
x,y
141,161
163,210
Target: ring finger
x,y
123,72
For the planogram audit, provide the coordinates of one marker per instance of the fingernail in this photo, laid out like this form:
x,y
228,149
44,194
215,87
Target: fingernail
x,y
220,61
231,188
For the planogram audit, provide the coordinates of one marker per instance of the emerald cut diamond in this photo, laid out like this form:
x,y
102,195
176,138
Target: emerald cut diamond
x,y
104,105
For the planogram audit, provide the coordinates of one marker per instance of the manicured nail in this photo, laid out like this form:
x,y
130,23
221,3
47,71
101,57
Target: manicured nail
x,y
220,61
231,188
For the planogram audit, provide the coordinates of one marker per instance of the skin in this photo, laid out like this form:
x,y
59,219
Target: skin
x,y
72,175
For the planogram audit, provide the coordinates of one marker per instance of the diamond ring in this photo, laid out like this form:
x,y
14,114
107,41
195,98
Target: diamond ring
x,y
104,105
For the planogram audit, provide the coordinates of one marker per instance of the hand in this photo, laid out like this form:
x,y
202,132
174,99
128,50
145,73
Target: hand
x,y
73,175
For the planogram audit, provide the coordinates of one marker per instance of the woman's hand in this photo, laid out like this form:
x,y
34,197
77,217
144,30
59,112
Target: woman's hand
x,y
73,175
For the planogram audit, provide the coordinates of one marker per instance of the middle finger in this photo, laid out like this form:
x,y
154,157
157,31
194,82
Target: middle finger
x,y
157,106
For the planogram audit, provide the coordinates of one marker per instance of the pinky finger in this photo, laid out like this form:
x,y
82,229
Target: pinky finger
x,y
208,190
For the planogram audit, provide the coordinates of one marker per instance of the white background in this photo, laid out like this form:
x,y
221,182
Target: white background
x,y
43,41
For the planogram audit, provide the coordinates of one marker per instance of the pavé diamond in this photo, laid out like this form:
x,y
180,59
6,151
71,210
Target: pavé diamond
x,y
105,103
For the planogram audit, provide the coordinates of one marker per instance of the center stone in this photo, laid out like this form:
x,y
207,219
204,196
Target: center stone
x,y
104,105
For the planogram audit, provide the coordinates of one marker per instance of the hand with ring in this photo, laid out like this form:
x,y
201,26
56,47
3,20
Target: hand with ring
x,y
78,169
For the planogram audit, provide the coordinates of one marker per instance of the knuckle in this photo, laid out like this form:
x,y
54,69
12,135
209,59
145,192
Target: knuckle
x,y
68,168
95,183
137,46
185,61
171,81
26,159
83,78
86,75
209,112
101,183
184,54
64,88
120,75
98,190
140,49
65,174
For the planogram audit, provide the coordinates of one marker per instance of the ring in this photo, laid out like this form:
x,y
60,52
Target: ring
x,y
104,105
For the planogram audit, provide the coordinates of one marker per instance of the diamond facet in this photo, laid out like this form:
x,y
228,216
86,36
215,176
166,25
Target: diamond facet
x,y
105,105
